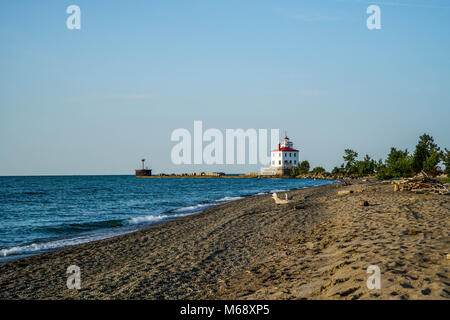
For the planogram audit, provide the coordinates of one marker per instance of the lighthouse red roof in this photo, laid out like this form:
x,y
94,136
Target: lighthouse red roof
x,y
285,149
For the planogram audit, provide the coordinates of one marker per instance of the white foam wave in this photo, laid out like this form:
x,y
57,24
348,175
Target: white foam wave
x,y
55,244
228,199
195,208
154,218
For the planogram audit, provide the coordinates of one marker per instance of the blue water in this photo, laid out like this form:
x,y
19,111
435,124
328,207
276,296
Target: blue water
x,y
43,213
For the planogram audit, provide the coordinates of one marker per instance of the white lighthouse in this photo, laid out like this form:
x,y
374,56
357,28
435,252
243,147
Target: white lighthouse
x,y
283,158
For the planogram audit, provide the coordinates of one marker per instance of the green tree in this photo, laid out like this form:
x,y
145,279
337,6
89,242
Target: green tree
x,y
431,162
380,165
382,172
303,167
366,166
423,151
318,170
446,161
398,164
338,170
350,159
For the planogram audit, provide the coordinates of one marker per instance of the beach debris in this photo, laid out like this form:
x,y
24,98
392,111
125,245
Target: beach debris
x,y
421,183
346,182
359,190
344,192
309,245
426,291
281,201
363,203
396,187
448,256
413,232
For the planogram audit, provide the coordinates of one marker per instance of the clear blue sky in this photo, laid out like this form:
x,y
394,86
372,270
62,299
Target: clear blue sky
x,y
96,100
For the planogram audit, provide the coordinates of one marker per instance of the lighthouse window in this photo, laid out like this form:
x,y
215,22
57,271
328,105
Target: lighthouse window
x,y
290,161
290,154
295,155
279,162
295,161
273,162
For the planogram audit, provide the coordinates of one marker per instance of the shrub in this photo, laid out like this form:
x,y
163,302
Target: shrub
x,y
338,170
303,167
318,170
350,161
366,166
398,164
430,164
446,160
424,149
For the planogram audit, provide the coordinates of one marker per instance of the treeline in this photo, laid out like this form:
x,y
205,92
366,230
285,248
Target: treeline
x,y
427,156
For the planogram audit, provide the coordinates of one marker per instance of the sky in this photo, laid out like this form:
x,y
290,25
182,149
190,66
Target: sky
x,y
98,99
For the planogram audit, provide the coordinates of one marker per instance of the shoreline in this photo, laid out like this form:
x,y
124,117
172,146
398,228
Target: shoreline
x,y
318,247
108,233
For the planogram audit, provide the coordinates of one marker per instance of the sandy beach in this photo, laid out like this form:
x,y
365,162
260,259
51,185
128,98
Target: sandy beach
x,y
317,247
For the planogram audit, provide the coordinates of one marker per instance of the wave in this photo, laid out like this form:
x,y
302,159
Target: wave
x,y
107,224
80,227
65,234
153,218
278,190
228,199
202,206
55,244
195,208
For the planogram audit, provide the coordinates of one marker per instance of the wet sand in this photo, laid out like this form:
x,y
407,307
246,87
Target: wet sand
x,y
317,247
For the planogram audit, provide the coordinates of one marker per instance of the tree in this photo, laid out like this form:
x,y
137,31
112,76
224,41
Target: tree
x,y
398,165
318,170
338,170
350,161
303,167
382,172
446,160
380,165
423,151
430,164
366,166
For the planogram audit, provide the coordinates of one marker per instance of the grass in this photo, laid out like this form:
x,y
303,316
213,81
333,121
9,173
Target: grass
x,y
445,180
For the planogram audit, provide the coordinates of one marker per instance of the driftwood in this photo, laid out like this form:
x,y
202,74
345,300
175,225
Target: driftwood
x,y
281,201
421,183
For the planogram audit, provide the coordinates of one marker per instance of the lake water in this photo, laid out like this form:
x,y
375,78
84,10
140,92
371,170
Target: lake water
x,y
38,214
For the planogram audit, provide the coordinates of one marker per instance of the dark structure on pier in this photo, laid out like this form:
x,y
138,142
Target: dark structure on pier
x,y
144,172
